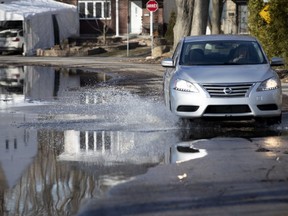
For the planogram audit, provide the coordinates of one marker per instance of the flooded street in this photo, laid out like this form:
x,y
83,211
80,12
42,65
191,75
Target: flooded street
x,y
74,140
66,139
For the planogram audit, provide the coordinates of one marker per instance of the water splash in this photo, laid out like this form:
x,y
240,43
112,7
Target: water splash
x,y
112,108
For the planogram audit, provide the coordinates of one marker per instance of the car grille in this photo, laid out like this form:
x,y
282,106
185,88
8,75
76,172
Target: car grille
x,y
227,109
228,90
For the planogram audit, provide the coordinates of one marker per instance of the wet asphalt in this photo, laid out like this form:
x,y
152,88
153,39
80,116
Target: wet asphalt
x,y
239,174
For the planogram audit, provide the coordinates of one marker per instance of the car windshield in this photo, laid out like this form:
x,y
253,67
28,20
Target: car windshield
x,y
221,53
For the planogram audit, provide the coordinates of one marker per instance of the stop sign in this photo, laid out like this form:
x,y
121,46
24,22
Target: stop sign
x,y
152,6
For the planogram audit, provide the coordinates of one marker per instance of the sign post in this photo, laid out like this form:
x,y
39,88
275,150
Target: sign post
x,y
151,6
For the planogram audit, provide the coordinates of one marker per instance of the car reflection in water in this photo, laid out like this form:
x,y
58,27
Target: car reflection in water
x,y
11,84
185,151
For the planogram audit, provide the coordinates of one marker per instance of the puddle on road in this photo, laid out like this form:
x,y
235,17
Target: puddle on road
x,y
36,83
54,171
83,139
86,138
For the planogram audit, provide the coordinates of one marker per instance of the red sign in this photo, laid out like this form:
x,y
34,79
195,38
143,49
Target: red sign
x,y
152,6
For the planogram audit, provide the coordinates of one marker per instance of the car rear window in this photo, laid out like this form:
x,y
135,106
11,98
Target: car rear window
x,y
8,34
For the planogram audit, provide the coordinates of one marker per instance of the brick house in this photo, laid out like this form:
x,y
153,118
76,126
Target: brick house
x,y
120,16
116,13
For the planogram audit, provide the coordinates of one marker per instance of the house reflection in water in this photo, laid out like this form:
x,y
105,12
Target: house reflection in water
x,y
104,147
29,83
47,83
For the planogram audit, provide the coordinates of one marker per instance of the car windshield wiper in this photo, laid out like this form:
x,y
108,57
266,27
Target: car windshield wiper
x,y
241,63
233,63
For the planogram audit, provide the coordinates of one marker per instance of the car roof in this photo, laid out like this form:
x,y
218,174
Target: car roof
x,y
224,37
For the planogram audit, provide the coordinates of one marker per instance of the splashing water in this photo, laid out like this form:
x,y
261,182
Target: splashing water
x,y
112,108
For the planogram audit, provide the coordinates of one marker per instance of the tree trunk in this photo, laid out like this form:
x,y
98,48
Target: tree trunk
x,y
200,17
217,6
184,19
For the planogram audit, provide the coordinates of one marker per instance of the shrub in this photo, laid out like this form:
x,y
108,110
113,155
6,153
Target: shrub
x,y
273,35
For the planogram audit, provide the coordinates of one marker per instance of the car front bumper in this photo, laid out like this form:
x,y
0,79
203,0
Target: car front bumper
x,y
198,105
10,49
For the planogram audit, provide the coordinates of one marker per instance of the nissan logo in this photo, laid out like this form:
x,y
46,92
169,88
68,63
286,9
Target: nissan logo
x,y
227,90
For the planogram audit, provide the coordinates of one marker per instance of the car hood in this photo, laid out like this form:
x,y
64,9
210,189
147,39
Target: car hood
x,y
225,73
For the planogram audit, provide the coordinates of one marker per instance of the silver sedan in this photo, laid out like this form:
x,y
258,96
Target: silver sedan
x,y
222,76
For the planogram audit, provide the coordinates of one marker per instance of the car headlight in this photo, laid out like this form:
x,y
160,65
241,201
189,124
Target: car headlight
x,y
269,84
182,85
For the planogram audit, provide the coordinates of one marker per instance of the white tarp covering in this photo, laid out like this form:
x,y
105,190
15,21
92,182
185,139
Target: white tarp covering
x,y
41,19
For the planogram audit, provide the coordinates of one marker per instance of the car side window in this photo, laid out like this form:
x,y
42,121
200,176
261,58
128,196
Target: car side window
x,y
258,53
176,52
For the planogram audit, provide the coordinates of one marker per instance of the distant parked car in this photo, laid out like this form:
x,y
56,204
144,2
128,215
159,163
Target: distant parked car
x,y
11,40
222,76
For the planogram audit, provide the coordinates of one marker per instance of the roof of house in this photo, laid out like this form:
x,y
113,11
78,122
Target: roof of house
x,y
17,10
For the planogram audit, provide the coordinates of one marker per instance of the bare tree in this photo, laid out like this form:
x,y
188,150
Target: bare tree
x,y
184,19
105,22
215,19
200,17
192,18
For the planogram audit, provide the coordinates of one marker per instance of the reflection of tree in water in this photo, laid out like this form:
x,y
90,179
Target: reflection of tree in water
x,y
50,187
55,187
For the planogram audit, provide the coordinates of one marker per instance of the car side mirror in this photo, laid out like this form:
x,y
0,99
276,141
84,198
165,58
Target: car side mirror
x,y
168,62
276,61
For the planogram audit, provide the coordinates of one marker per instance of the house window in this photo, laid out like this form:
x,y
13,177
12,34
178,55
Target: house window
x,y
97,9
